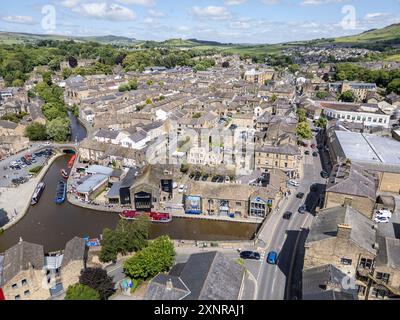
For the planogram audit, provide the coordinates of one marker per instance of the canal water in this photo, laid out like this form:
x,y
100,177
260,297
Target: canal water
x,y
52,225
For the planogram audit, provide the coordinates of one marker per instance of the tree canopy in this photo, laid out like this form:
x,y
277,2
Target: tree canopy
x,y
128,236
98,279
36,131
156,258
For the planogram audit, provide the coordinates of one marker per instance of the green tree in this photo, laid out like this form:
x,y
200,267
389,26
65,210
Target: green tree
x,y
98,279
273,98
81,292
347,96
58,129
394,86
157,257
304,131
321,94
36,131
128,236
301,113
321,122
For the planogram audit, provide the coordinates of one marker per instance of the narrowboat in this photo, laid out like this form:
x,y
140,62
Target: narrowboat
x,y
38,193
64,174
158,217
61,192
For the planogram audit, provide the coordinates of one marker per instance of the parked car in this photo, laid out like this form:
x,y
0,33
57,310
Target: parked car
x,y
250,255
181,188
315,154
313,146
227,179
300,195
324,174
302,209
381,220
220,179
307,153
272,257
214,179
287,215
205,177
293,183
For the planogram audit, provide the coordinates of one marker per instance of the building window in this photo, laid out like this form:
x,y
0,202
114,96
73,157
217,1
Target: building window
x,y
361,290
14,286
18,297
365,263
27,293
238,204
346,262
384,277
24,282
377,293
286,164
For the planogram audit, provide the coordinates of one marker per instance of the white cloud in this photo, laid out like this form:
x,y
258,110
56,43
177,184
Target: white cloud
x,y
70,3
18,19
211,12
376,15
319,2
234,2
146,3
156,14
106,11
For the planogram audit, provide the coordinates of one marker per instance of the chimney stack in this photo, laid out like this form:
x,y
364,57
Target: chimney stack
x,y
343,231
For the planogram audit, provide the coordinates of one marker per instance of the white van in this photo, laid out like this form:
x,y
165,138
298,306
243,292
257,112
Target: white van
x,y
384,214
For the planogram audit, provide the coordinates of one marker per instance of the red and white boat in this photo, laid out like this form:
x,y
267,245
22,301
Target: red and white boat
x,y
64,173
158,217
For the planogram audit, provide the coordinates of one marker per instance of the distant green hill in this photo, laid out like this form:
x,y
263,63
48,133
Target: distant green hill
x,y
15,38
389,33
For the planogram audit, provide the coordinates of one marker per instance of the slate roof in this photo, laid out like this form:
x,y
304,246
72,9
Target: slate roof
x,y
205,276
388,253
108,134
75,250
352,180
22,256
325,283
327,221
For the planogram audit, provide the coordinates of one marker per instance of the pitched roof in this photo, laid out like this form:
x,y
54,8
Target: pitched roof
x,y
205,276
75,250
22,256
326,224
325,283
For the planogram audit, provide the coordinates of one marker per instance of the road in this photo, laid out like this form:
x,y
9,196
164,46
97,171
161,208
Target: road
x,y
283,236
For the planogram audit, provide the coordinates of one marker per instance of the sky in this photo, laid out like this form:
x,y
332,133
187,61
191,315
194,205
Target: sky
x,y
229,21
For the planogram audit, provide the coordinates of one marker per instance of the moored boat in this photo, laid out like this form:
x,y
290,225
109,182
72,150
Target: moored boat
x,y
158,217
38,193
71,161
61,192
64,173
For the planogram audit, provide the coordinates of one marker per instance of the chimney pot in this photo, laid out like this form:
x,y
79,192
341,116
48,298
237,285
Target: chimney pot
x,y
343,231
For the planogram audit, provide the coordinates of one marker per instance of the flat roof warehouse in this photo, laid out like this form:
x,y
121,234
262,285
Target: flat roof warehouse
x,y
368,148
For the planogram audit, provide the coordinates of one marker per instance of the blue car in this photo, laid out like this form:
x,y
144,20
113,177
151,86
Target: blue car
x,y
272,257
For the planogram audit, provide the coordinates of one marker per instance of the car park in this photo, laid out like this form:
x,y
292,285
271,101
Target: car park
x,y
300,195
302,209
287,215
250,255
272,257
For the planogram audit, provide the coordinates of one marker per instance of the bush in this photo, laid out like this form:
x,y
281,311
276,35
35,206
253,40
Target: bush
x,y
81,292
36,170
98,279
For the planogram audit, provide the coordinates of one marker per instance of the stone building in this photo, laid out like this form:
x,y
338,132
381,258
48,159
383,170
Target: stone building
x,y
350,184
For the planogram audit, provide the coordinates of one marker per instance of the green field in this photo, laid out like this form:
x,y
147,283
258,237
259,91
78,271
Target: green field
x,y
391,32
